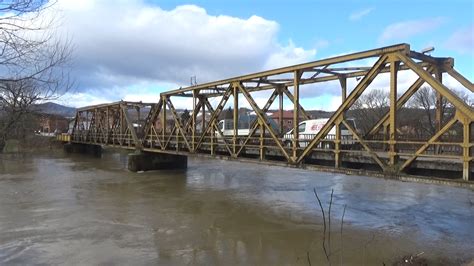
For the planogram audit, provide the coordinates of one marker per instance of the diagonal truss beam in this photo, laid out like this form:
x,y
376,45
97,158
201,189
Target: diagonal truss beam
x,y
255,124
260,115
318,71
215,115
153,131
76,120
292,99
90,126
194,113
215,127
267,106
366,147
437,85
247,139
400,102
138,143
153,115
460,78
429,142
168,140
177,121
364,83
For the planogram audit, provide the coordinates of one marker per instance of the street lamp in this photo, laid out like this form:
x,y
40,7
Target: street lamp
x,y
427,50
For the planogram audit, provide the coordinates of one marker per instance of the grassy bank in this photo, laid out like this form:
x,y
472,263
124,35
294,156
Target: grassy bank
x,y
32,144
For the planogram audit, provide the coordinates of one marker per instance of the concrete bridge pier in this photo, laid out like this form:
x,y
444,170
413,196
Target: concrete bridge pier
x,y
92,149
145,161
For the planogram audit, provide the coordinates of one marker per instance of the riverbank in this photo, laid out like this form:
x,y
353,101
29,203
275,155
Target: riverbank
x,y
33,143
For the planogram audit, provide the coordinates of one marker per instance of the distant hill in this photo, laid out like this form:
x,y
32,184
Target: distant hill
x,y
316,114
55,109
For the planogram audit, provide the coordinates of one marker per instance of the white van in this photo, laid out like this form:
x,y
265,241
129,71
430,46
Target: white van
x,y
308,129
226,126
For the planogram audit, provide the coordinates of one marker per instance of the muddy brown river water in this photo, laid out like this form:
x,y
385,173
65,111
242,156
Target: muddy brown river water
x,y
80,210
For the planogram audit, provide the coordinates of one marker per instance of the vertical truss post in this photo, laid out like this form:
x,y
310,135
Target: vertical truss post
x,y
439,106
193,121
337,144
262,141
343,81
466,155
89,119
439,101
176,125
138,118
236,120
120,125
83,126
203,122
108,125
74,128
394,64
163,120
385,134
280,110
212,136
296,103
97,124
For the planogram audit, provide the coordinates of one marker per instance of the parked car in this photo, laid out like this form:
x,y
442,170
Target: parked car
x,y
308,129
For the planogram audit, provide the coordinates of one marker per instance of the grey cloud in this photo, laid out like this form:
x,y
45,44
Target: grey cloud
x,y
118,44
153,44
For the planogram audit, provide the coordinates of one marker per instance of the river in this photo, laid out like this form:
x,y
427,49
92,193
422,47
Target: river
x,y
80,210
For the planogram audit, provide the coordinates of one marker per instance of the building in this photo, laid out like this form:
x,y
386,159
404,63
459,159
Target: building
x,y
49,123
287,119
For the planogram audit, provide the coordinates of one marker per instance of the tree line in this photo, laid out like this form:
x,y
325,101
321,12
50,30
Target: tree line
x,y
33,62
416,119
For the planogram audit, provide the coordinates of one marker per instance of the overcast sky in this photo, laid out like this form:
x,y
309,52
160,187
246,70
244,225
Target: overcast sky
x,y
133,50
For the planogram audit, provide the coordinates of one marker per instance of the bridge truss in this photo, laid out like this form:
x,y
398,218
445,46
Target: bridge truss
x,y
164,129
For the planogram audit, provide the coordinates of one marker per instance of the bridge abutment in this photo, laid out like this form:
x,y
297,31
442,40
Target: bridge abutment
x,y
145,161
92,149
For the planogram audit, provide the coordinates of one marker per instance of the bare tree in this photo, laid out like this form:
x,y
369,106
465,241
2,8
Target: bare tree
x,y
185,116
32,60
369,108
425,101
416,119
